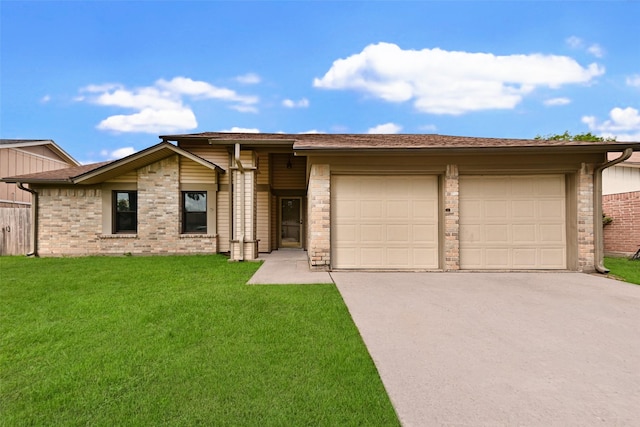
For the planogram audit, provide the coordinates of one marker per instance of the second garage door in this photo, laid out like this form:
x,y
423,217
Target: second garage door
x,y
512,222
384,222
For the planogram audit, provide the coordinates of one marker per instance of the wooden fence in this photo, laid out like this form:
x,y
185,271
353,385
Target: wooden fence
x,y
15,226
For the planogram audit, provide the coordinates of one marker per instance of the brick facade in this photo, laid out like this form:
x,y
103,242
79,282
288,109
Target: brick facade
x,y
622,236
451,219
586,240
71,219
319,217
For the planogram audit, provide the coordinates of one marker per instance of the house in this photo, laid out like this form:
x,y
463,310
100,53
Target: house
x,y
374,202
23,156
621,202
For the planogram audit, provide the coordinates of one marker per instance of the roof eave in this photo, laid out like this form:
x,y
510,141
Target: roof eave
x,y
140,159
591,149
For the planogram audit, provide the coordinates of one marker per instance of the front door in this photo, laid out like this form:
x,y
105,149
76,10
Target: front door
x,y
291,222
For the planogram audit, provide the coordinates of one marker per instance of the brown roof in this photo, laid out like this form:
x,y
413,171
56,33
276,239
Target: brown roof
x,y
99,172
338,142
58,175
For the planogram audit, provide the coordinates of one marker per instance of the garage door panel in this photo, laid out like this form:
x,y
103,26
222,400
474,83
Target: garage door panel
x,y
551,209
397,209
550,187
524,233
551,233
424,233
394,220
552,258
371,233
513,222
496,258
523,209
496,233
397,233
371,209
496,209
424,209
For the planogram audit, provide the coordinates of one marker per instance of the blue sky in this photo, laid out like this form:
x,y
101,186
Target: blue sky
x,y
105,78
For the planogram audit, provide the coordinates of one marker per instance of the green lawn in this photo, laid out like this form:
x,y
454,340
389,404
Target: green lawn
x,y
177,341
624,268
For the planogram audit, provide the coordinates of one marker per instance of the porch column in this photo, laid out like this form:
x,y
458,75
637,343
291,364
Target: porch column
x,y
586,241
451,219
244,244
319,221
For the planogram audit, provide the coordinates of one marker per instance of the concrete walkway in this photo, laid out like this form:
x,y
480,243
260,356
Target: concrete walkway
x,y
287,266
501,349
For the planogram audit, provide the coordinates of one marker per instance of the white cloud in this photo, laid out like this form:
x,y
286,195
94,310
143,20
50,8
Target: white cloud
x,y
289,103
574,42
45,99
577,43
237,129
249,79
117,154
623,123
596,50
152,121
387,128
557,101
634,80
159,108
449,82
244,108
312,131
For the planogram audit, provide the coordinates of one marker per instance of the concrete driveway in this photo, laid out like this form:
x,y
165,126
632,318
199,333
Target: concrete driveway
x,y
527,349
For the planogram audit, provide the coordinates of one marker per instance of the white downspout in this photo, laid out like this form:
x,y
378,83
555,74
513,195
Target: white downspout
x,y
597,203
242,201
34,215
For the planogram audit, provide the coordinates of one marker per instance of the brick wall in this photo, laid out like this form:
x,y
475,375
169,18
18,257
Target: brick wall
x,y
586,239
622,236
319,209
451,218
70,219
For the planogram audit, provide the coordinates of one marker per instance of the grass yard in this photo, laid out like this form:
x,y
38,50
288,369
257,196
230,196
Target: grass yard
x,y
177,341
624,268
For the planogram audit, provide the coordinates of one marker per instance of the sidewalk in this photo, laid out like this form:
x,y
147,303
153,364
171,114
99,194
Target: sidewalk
x,y
287,267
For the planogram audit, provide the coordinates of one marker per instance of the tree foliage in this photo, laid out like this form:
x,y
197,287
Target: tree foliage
x,y
566,136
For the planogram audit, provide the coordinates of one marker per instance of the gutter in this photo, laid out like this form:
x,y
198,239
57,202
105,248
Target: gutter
x,y
597,203
34,215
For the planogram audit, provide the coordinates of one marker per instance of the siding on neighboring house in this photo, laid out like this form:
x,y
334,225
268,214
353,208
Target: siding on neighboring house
x,y
620,179
20,161
622,236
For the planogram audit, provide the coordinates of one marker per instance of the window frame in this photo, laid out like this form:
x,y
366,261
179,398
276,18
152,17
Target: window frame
x,y
115,213
204,225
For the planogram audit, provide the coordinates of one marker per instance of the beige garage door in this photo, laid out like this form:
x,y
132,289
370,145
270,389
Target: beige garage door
x,y
512,222
384,222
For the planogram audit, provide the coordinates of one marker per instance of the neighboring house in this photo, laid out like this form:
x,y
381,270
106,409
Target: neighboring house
x,y
23,156
621,202
391,202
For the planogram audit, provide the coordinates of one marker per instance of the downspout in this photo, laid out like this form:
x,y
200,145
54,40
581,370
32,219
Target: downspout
x,y
34,214
242,201
597,203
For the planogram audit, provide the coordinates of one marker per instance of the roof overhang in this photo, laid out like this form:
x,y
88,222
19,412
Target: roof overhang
x,y
137,160
302,148
108,170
